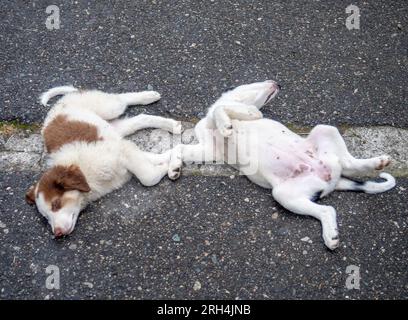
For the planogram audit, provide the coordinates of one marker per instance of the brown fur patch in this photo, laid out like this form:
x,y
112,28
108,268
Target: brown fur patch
x,y
30,195
59,179
61,131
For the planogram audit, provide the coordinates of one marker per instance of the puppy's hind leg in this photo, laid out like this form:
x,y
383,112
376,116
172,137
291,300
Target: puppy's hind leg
x,y
130,125
141,98
111,106
294,197
108,105
159,158
141,165
327,139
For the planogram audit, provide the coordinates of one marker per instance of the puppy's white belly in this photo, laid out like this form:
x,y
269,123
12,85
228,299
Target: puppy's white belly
x,y
286,162
277,153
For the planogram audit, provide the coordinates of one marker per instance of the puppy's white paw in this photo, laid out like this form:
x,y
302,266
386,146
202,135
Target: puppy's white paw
x,y
174,172
226,130
176,127
382,162
330,231
150,97
331,241
175,165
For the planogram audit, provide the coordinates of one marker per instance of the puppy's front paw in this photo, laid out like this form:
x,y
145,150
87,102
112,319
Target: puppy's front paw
x,y
150,97
226,130
383,161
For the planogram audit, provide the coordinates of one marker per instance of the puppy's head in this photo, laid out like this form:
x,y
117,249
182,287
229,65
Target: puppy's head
x,y
59,197
257,94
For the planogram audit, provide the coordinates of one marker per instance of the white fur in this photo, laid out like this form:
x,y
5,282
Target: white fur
x,y
296,169
109,163
46,96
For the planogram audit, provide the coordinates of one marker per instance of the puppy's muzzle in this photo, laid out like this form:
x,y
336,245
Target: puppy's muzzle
x,y
275,87
58,232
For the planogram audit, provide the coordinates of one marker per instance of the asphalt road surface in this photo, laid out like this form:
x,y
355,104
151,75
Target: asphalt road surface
x,y
191,51
226,234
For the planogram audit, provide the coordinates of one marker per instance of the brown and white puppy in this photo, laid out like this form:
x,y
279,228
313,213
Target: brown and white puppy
x,y
88,156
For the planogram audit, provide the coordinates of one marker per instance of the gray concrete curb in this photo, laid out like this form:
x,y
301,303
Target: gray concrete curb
x,y
24,151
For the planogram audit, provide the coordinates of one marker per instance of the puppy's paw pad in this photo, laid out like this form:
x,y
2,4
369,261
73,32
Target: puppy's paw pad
x,y
174,173
384,161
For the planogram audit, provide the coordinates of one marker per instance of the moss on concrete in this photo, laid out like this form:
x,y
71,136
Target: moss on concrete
x,y
8,128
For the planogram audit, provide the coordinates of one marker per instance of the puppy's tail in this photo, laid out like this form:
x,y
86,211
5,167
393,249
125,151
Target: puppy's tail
x,y
347,184
57,91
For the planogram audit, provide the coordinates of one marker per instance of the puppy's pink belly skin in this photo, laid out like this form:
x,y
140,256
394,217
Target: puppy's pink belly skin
x,y
287,165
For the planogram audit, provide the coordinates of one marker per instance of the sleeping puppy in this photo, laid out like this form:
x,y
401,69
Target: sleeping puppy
x,y
298,170
88,156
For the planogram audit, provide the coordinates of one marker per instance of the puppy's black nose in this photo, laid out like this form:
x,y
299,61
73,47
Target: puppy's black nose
x,y
279,86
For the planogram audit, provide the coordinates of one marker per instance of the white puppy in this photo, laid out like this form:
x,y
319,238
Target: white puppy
x,y
298,170
88,155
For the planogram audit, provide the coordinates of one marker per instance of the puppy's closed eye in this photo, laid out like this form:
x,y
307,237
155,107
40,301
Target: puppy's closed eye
x,y
56,205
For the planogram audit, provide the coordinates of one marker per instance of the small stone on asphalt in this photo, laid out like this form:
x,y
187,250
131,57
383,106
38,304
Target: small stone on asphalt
x,y
197,286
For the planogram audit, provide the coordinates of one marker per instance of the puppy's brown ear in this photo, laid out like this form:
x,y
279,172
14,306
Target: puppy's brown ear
x,y
30,195
74,179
